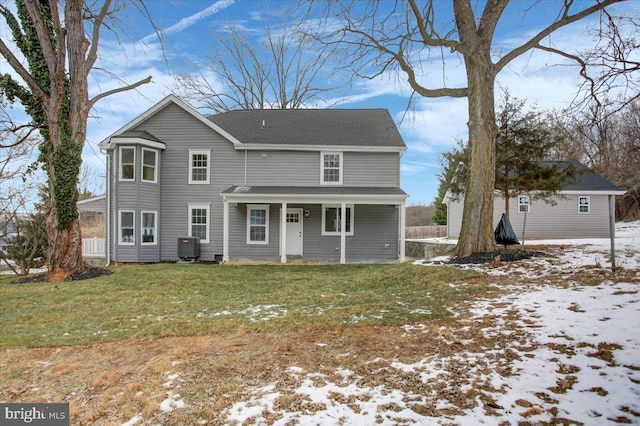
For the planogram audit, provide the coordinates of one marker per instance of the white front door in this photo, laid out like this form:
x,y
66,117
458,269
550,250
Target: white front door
x,y
294,232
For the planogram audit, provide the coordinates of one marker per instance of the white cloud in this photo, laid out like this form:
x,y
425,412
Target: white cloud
x,y
189,21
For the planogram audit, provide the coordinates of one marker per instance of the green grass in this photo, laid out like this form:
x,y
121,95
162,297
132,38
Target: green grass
x,y
140,301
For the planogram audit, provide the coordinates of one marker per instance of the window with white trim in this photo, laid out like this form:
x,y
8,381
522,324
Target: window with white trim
x,y
331,220
258,224
584,205
148,227
199,221
127,163
524,204
331,168
199,166
149,165
127,227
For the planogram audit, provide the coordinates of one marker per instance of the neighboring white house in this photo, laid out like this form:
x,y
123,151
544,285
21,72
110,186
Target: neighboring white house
x,y
580,210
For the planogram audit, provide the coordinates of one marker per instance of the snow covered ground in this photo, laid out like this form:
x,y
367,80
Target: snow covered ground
x,y
571,354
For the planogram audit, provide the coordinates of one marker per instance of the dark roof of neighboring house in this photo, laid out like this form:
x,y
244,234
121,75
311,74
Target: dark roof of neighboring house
x,y
585,179
325,127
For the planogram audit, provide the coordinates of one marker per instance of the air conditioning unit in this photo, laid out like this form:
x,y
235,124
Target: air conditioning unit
x,y
189,248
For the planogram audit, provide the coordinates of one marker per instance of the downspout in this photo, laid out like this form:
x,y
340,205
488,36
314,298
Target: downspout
x,y
245,166
107,244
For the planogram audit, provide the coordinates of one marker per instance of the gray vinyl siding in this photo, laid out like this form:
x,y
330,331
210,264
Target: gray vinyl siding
x,y
136,196
302,168
546,220
374,226
375,235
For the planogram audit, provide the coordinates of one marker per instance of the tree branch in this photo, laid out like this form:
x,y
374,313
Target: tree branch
x,y
118,90
22,72
564,21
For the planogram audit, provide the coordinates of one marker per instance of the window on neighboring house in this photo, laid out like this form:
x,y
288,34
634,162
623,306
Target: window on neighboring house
x,y
258,224
199,166
127,228
127,163
331,220
523,204
149,226
331,168
149,165
199,222
584,205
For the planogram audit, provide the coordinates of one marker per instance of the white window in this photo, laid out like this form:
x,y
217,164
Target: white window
x,y
127,229
199,166
331,168
127,163
149,165
148,226
584,205
523,204
258,224
199,222
331,220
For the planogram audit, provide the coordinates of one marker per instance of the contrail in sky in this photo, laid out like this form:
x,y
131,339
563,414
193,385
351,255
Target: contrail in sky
x,y
193,19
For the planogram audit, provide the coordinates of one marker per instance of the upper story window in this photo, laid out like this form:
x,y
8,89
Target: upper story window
x,y
199,222
584,205
332,220
149,165
258,224
523,204
199,166
127,163
331,168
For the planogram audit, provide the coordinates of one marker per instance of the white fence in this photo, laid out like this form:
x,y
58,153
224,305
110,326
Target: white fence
x,y
93,247
419,232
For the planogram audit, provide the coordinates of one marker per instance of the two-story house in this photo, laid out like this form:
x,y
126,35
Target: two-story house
x,y
259,184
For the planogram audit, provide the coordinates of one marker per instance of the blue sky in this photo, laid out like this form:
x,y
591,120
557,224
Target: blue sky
x,y
431,128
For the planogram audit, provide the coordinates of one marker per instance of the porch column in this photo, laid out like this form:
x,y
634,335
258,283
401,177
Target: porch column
x,y
283,234
343,233
225,230
401,225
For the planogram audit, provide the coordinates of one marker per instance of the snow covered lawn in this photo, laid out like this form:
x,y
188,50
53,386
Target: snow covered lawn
x,y
562,345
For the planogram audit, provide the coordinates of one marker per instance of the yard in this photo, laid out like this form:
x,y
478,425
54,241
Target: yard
x,y
550,340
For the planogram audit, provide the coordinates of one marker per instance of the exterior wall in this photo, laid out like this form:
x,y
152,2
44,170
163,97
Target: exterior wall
x,y
173,194
375,235
135,196
546,220
276,168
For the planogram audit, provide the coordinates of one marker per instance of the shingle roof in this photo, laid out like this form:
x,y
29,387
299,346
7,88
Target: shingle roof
x,y
585,179
323,127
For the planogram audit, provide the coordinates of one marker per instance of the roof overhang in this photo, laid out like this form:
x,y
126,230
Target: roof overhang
x,y
123,140
301,147
588,192
314,195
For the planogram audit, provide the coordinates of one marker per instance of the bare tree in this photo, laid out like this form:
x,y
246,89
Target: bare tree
x,y
404,37
65,45
281,72
606,139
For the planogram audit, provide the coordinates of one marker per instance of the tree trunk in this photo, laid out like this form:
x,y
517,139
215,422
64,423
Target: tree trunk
x,y
64,254
476,234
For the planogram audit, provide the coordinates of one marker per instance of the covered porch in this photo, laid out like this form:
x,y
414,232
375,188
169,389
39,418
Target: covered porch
x,y
335,224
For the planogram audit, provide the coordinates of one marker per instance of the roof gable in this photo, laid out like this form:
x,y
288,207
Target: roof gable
x,y
168,100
